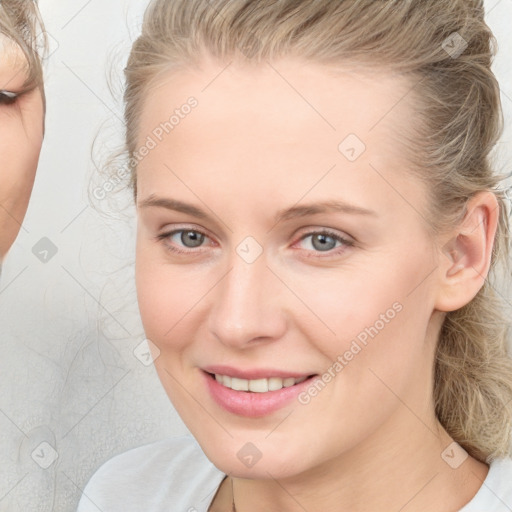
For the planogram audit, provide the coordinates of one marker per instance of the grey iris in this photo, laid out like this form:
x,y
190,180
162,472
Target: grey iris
x,y
192,238
323,242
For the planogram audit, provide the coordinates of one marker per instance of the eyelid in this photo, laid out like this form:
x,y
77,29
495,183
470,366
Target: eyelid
x,y
8,97
12,96
345,241
170,230
166,234
318,230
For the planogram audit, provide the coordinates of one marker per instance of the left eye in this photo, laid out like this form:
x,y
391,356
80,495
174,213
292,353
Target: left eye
x,y
324,242
7,97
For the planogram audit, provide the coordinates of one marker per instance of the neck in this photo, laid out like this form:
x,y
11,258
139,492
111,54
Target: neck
x,y
410,476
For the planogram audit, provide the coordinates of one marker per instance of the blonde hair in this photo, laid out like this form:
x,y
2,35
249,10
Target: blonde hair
x,y
21,23
459,122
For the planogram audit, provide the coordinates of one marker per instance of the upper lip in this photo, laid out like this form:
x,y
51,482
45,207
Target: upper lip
x,y
253,373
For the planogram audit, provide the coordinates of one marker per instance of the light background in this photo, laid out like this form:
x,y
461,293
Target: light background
x,y
69,326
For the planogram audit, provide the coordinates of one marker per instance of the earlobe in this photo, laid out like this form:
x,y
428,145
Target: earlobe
x,y
465,258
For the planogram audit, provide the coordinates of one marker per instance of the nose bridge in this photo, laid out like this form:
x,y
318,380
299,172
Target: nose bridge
x,y
246,306
244,283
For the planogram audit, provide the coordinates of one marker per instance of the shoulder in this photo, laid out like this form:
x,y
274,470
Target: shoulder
x,y
173,472
167,453
496,491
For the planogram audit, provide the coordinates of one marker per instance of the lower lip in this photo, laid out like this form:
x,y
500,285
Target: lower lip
x,y
253,405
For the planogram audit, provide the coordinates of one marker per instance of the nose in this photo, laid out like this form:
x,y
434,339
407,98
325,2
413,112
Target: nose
x,y
248,305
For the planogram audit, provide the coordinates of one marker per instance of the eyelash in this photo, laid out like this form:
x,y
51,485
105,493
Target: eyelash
x,y
8,98
336,251
164,237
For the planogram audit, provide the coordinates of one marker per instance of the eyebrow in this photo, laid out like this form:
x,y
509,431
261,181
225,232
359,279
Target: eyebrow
x,y
173,204
332,206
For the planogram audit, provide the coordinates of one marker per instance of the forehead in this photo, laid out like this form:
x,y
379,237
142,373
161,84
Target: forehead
x,y
284,100
283,121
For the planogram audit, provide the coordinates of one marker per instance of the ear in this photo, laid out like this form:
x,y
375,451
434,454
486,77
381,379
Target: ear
x,y
466,257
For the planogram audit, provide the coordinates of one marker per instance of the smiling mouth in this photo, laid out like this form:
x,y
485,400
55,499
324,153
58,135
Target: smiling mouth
x,y
257,385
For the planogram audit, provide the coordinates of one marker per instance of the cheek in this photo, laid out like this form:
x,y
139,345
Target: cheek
x,y
168,296
21,137
378,316
365,301
386,352
20,145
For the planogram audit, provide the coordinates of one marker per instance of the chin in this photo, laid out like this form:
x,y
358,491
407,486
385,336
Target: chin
x,y
258,459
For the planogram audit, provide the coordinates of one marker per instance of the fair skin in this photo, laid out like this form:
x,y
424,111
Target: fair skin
x,y
21,136
252,148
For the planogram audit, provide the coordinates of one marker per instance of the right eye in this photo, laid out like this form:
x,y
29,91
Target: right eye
x,y
7,97
185,241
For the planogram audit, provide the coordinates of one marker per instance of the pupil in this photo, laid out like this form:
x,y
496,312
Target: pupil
x,y
192,238
323,242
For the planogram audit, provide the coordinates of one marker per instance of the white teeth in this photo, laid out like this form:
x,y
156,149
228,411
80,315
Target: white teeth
x,y
239,384
288,382
275,383
257,385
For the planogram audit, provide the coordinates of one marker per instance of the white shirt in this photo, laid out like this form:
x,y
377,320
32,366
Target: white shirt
x,y
174,475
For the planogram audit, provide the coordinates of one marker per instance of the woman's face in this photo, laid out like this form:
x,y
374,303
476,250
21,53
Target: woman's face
x,y
281,235
21,136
